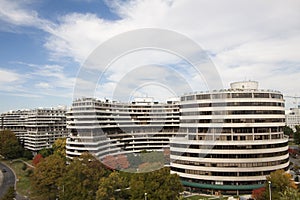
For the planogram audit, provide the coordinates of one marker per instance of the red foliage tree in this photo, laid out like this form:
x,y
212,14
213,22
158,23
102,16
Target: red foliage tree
x,y
37,159
259,194
122,161
110,162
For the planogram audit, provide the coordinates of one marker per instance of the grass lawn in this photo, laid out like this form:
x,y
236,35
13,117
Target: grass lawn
x,y
23,183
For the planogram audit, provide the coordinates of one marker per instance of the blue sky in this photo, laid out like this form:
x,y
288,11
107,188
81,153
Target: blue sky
x,y
44,44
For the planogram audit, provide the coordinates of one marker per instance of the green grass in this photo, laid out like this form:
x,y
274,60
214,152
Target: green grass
x,y
23,183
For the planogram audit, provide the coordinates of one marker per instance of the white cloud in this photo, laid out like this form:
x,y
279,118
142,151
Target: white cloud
x,y
17,13
255,39
8,76
43,85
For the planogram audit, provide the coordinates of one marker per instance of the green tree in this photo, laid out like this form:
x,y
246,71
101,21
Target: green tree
x,y
9,145
158,184
280,181
46,177
59,147
290,193
27,154
288,131
10,194
112,187
81,180
45,152
297,135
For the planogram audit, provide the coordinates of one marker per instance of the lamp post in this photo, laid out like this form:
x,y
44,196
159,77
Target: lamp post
x,y
270,192
145,195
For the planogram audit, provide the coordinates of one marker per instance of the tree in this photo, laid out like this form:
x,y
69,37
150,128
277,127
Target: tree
x,y
59,147
288,131
9,145
46,177
259,194
112,187
158,184
290,193
37,158
297,135
45,152
280,181
27,154
81,179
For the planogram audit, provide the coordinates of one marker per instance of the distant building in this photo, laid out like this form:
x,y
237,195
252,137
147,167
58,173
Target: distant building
x,y
292,118
15,121
38,128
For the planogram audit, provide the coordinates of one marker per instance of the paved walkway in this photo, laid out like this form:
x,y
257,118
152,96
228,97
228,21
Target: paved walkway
x,y
28,164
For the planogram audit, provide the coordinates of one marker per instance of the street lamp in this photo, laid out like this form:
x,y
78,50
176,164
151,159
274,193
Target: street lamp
x,y
145,195
270,193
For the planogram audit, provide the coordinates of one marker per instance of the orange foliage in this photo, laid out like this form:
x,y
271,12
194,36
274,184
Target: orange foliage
x,y
37,159
258,194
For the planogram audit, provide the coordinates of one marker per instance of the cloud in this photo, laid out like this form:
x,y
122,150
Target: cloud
x,y
18,13
255,39
8,76
37,81
43,85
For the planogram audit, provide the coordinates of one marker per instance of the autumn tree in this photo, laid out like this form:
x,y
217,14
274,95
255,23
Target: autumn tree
x,y
280,182
290,193
112,187
59,147
9,145
110,161
259,194
81,179
37,158
46,177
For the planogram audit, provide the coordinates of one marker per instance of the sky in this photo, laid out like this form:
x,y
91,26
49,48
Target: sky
x,y
51,47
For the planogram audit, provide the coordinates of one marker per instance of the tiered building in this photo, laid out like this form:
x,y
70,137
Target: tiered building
x,y
37,128
15,121
43,127
111,128
234,139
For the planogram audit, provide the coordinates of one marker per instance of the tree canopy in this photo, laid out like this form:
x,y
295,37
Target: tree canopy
x,y
87,178
46,176
297,135
158,184
281,183
9,145
81,180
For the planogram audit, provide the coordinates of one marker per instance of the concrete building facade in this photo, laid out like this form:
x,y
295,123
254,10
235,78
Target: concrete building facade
x,y
37,128
234,139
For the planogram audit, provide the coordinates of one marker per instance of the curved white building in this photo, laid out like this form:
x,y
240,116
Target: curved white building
x,y
234,139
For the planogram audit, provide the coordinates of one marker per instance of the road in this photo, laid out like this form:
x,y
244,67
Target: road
x,y
8,179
